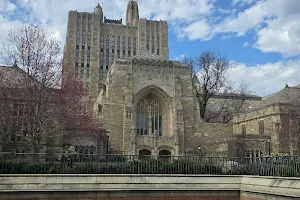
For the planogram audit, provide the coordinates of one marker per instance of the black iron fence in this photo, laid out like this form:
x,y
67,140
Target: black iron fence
x,y
26,163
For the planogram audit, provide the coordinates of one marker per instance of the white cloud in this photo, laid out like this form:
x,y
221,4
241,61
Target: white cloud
x,y
245,44
276,23
180,57
177,12
242,2
198,30
6,6
267,78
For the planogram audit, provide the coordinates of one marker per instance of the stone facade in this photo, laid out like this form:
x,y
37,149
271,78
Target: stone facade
x,y
148,103
145,107
93,44
276,116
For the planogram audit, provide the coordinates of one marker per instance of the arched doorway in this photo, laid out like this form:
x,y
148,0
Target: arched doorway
x,y
144,154
164,155
149,116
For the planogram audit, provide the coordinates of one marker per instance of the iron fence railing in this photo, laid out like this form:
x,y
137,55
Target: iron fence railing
x,y
26,163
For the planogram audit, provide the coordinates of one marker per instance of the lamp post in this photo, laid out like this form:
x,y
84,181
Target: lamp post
x,y
200,151
269,143
107,141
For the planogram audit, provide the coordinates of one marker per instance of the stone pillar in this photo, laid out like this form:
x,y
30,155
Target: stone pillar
x,y
133,141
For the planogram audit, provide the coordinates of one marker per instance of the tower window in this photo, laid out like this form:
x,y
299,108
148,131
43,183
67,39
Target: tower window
x,y
76,69
77,37
82,71
87,71
118,43
113,47
157,45
134,46
83,37
123,47
89,39
152,44
147,44
129,44
107,42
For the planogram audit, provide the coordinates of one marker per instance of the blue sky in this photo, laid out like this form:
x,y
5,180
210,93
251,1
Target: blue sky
x,y
261,38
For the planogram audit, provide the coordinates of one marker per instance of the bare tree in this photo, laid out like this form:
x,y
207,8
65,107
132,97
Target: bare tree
x,y
39,57
210,71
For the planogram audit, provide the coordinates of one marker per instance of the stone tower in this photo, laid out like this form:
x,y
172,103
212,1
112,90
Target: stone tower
x,y
93,43
132,13
98,10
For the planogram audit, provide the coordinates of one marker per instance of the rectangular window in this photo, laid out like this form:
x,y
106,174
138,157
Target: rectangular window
x,y
261,127
83,37
88,71
82,71
129,53
76,69
244,129
118,53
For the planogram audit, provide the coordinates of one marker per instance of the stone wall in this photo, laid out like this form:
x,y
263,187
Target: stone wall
x,y
279,122
134,187
212,137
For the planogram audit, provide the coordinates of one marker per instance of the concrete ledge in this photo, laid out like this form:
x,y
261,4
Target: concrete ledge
x,y
279,186
287,187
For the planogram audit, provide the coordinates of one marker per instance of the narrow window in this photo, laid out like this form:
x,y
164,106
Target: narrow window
x,y
83,38
113,47
152,44
261,127
82,71
147,44
123,46
157,45
129,47
107,53
77,37
244,129
76,69
87,72
134,46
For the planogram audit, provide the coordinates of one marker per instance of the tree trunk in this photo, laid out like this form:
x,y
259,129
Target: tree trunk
x,y
35,152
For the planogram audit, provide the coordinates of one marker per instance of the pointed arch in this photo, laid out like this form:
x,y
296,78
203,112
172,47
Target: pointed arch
x,y
152,111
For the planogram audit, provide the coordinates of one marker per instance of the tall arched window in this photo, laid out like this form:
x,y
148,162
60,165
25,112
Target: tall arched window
x,y
113,46
107,53
123,46
129,47
118,47
149,112
134,46
152,44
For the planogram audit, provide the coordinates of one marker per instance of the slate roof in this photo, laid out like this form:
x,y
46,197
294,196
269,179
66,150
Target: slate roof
x,y
286,95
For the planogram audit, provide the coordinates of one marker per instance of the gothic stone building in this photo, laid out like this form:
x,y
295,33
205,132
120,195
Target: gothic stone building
x,y
146,101
143,99
273,124
93,42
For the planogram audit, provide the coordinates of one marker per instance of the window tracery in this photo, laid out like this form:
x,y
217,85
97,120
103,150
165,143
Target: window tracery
x,y
149,113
